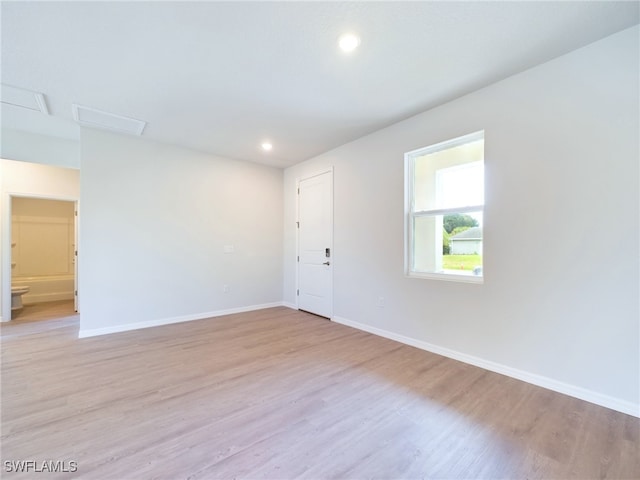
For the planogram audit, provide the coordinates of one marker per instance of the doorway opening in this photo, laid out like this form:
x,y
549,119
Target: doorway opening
x,y
43,258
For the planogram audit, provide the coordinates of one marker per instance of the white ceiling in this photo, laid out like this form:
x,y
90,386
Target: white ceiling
x,y
221,77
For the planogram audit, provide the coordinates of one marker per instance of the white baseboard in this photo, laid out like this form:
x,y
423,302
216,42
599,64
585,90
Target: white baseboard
x,y
93,332
290,305
573,391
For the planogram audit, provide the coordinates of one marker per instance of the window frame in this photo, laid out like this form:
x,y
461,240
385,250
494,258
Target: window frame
x,y
411,215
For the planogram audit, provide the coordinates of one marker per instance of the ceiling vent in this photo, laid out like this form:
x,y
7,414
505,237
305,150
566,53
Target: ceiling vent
x,y
91,117
19,97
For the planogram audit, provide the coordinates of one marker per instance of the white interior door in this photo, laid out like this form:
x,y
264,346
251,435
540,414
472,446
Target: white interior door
x,y
75,257
315,244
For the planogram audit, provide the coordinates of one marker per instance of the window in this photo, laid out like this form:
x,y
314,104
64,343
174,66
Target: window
x,y
444,207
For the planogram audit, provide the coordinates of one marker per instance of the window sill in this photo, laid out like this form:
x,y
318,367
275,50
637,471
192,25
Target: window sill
x,y
447,277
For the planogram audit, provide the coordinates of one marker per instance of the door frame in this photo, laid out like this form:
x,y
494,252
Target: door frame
x,y
5,246
298,180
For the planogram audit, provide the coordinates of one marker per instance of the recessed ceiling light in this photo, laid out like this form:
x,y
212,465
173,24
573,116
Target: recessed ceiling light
x,y
348,42
267,147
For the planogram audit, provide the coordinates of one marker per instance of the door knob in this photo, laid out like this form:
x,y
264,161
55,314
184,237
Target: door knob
x,y
327,263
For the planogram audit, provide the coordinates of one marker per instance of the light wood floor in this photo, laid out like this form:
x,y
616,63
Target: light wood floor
x,y
283,394
43,311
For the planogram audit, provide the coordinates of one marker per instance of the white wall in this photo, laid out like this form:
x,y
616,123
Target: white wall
x,y
559,304
155,221
35,148
27,179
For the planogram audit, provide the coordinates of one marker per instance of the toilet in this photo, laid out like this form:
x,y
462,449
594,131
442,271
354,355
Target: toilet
x,y
16,296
